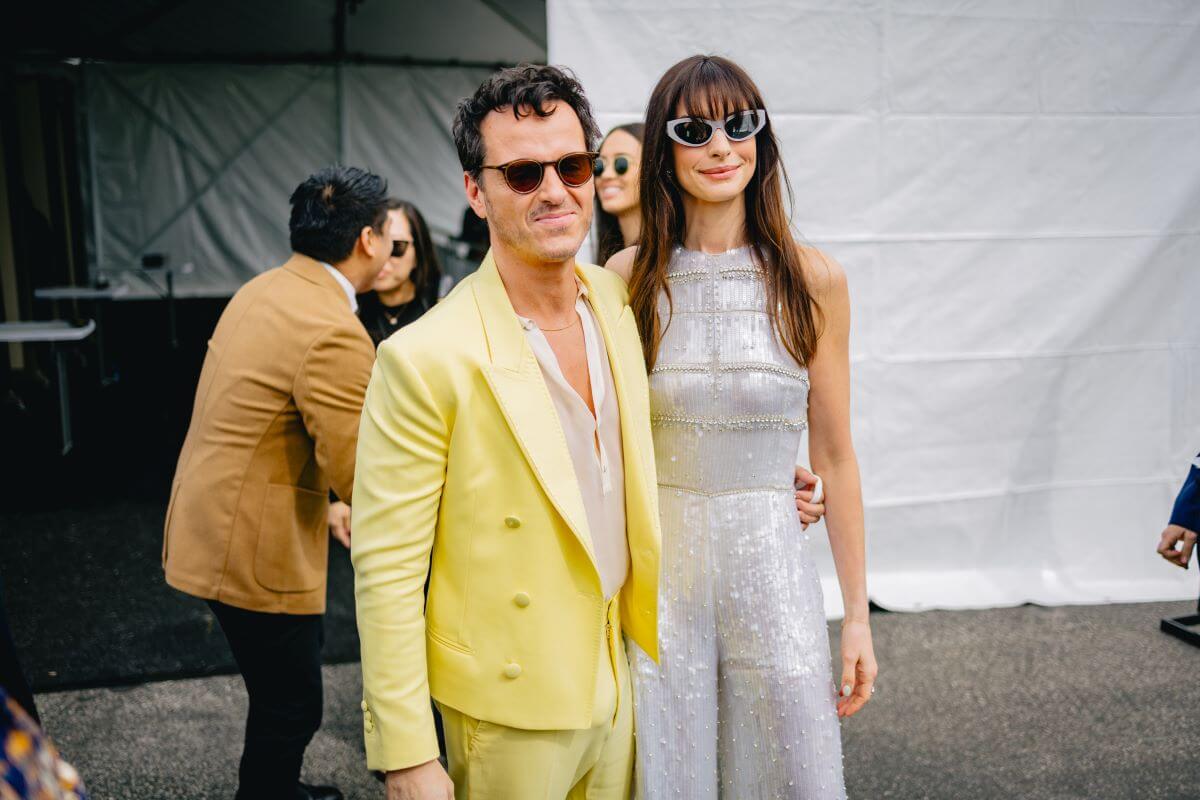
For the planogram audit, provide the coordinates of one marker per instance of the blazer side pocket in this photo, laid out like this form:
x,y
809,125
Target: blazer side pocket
x,y
293,546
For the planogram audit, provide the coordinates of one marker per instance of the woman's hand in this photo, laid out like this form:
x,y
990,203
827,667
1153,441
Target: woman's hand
x,y
806,485
858,668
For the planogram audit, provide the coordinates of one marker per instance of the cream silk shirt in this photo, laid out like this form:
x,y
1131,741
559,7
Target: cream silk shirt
x,y
599,471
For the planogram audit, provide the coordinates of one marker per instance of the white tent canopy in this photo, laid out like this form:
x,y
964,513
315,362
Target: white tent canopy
x,y
201,117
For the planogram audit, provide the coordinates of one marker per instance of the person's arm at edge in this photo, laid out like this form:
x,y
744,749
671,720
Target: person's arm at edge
x,y
1179,537
1186,512
402,453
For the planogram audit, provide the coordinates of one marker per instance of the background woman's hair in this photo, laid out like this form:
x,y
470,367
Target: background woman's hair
x,y
711,87
608,231
427,274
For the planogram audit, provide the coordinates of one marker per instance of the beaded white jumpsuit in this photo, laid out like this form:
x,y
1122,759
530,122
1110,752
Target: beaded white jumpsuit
x,y
742,706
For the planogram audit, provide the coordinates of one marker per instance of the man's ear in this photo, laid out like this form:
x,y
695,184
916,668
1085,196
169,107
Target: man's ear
x,y
370,241
474,195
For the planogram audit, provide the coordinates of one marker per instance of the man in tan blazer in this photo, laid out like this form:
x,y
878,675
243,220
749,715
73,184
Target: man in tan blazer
x,y
274,427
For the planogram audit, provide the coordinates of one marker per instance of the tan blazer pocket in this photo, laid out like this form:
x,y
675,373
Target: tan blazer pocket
x,y
293,544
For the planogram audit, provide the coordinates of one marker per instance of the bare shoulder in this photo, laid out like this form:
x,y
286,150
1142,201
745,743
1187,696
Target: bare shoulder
x,y
607,281
825,276
622,263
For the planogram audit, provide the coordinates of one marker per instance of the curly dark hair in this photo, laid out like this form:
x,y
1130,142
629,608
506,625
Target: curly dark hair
x,y
526,89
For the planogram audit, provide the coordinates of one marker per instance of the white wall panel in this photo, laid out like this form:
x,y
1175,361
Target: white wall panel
x,y
1013,187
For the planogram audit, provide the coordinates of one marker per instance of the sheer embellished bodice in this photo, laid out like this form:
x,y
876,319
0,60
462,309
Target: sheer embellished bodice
x,y
728,402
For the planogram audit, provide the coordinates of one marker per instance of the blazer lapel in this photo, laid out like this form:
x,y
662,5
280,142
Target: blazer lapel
x,y
516,381
635,422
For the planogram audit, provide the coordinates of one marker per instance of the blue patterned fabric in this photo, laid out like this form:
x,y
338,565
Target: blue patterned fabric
x,y
30,768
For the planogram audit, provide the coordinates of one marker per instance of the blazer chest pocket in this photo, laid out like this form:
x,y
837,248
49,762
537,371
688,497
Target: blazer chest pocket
x,y
293,547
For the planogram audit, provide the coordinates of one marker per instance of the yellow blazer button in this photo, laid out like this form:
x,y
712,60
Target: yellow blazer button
x,y
512,670
363,705
369,726
521,599
512,522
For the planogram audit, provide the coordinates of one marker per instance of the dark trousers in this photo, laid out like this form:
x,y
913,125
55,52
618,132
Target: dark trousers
x,y
279,656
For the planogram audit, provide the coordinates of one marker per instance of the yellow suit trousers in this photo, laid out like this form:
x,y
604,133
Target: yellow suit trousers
x,y
489,761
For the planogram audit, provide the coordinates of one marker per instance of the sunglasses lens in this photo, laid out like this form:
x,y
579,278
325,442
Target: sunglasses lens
x,y
621,165
598,170
576,169
523,176
693,131
742,125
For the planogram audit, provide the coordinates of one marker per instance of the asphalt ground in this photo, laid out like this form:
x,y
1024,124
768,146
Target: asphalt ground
x,y
1083,702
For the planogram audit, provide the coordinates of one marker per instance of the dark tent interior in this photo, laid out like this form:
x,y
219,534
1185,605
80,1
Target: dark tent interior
x,y
92,426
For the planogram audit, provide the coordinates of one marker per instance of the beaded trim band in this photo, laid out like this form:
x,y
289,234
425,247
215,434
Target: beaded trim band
x,y
691,275
727,492
733,423
747,367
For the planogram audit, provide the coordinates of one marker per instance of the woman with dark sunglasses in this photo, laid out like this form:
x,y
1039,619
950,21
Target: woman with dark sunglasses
x,y
746,337
407,285
618,214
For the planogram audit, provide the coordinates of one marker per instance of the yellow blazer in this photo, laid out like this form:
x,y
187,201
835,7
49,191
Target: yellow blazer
x,y
463,472
273,428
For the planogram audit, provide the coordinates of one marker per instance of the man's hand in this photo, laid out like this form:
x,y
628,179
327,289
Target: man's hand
x,y
339,522
426,781
1177,535
806,484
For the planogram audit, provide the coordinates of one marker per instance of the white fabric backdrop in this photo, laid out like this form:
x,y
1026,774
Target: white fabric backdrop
x,y
1014,190
198,161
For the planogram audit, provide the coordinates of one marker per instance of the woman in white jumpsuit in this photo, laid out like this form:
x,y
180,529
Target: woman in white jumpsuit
x,y
746,334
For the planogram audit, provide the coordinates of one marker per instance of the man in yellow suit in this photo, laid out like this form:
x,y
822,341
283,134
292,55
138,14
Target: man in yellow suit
x,y
505,451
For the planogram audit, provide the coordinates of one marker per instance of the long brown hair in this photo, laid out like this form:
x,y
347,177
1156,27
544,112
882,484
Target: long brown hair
x,y
608,231
712,87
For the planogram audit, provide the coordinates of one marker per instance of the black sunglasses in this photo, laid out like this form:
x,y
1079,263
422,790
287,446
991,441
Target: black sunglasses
x,y
400,247
524,175
620,165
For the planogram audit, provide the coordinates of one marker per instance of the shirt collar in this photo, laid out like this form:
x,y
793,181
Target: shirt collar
x,y
345,283
581,295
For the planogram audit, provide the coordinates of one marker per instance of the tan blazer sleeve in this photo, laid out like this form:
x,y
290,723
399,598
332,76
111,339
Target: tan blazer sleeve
x,y
329,390
402,452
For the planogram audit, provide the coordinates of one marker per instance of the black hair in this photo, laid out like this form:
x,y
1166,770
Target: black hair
x,y
526,89
330,209
427,273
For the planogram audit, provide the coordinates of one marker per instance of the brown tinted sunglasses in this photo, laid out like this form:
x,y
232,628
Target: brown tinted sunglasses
x,y
525,175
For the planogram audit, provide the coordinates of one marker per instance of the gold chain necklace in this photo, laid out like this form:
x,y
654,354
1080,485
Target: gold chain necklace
x,y
563,328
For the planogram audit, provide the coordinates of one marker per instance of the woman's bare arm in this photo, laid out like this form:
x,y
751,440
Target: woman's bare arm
x,y
831,452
